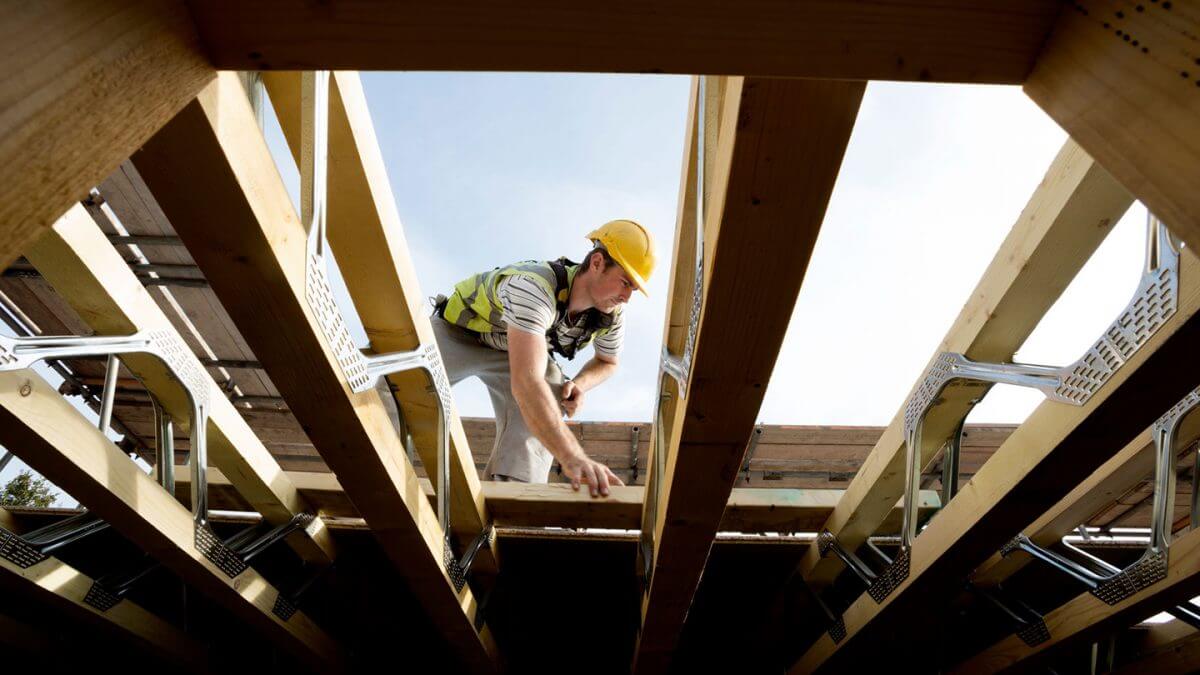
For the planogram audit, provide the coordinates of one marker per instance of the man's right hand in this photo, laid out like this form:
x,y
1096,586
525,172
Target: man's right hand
x,y
584,470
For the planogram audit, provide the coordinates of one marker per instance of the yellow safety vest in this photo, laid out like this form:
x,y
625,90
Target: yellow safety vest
x,y
473,304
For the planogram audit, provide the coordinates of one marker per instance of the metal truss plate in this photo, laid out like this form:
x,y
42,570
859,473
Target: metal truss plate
x,y
837,631
283,608
458,575
437,373
825,542
1171,418
211,547
101,598
1012,545
319,296
892,577
18,551
1155,302
1034,633
940,372
182,363
1150,569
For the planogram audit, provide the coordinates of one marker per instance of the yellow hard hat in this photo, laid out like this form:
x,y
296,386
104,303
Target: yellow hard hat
x,y
631,246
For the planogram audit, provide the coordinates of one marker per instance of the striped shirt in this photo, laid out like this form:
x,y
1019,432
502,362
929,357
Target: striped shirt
x,y
528,307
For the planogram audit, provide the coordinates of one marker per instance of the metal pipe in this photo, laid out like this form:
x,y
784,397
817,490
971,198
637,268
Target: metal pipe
x,y
110,391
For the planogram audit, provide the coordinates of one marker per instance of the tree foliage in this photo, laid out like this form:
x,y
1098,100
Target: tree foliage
x,y
26,489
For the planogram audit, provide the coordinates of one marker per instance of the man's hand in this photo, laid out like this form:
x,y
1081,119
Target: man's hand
x,y
572,398
583,470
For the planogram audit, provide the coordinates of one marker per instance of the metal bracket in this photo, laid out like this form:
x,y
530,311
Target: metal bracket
x,y
892,577
57,535
1031,628
826,542
680,368
750,448
1154,302
17,551
459,569
633,454
224,558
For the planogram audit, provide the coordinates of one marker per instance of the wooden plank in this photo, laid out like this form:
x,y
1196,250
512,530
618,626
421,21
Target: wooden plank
x,y
1086,617
211,164
76,258
1128,467
1067,217
55,440
1126,85
1058,446
364,227
957,41
84,84
55,583
750,510
768,170
1172,648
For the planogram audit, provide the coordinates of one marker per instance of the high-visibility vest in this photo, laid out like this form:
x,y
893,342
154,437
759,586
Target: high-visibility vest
x,y
473,304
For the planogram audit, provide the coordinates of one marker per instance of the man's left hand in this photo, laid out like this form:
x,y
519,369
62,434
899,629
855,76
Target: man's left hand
x,y
572,398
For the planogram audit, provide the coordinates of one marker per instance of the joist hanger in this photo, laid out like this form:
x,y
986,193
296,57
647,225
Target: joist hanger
x,y
1154,302
1113,584
361,370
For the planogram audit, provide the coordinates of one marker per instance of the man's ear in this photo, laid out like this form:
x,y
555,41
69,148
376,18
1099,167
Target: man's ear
x,y
595,262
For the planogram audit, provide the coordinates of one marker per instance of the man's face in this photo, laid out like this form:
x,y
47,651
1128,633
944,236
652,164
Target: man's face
x,y
612,287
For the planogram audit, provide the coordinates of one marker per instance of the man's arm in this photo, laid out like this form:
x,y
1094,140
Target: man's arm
x,y
527,366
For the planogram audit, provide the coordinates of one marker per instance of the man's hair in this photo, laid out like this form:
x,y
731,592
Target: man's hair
x,y
587,259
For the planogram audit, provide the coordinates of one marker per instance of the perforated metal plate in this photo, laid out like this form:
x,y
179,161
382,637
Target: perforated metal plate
x,y
1177,412
1149,570
437,373
892,577
1034,633
1013,544
211,547
824,542
100,597
837,631
939,373
17,551
458,576
319,296
182,363
283,608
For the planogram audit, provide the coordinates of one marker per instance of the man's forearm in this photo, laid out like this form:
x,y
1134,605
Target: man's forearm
x,y
543,416
593,373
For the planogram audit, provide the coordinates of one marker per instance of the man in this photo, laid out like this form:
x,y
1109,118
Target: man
x,y
502,326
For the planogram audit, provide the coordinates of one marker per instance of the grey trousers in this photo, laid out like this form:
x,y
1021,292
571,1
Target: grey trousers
x,y
516,454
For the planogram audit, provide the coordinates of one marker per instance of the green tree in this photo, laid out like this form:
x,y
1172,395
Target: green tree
x,y
27,489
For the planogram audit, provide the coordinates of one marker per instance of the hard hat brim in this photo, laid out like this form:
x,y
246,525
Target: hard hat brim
x,y
638,282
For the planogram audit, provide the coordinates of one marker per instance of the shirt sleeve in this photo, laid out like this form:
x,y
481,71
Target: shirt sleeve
x,y
527,306
609,344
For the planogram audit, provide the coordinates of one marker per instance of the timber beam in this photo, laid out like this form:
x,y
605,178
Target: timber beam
x,y
768,185
59,443
1066,219
985,41
1125,84
1059,445
211,164
85,83
75,257
364,227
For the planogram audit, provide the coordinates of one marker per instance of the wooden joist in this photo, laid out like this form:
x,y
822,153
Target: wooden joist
x,y
750,510
1069,214
85,84
1058,446
1172,648
1125,83
55,583
771,179
211,164
77,259
1087,617
58,442
992,41
364,228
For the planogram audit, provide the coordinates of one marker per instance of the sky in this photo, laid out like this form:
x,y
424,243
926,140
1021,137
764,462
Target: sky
x,y
488,169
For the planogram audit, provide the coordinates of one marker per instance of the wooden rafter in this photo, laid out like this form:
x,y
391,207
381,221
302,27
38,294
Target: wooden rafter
x,y
1058,446
58,442
211,164
1124,81
85,83
771,179
77,259
1087,617
959,41
364,227
55,583
1068,216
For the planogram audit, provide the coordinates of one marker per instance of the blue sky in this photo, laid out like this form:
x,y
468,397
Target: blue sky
x,y
492,168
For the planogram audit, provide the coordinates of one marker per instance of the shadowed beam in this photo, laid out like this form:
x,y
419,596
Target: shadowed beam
x,y
777,155
84,84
